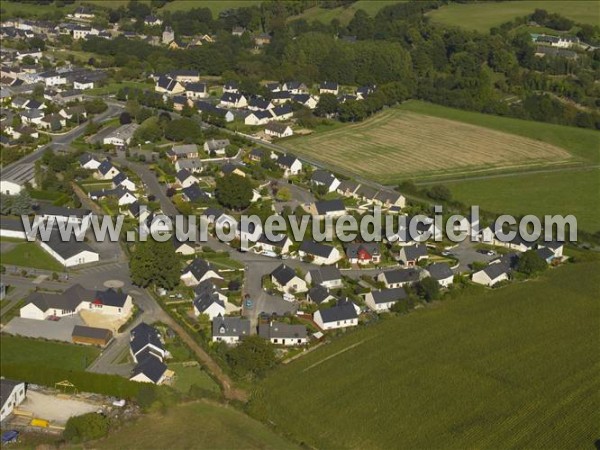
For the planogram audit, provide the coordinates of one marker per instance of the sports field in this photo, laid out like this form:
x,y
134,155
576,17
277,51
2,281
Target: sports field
x,y
199,425
570,192
516,367
485,15
398,143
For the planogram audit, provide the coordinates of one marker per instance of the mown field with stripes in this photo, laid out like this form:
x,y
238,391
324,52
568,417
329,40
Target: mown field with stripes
x,y
398,144
515,367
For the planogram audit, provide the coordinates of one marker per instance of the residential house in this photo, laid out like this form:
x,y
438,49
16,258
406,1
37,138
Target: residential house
x,y
64,215
259,104
84,13
281,97
326,276
328,208
152,21
53,122
556,247
13,228
325,178
278,130
498,270
231,168
189,151
363,91
231,87
285,279
196,90
106,171
122,136
295,87
280,333
319,294
307,100
12,394
123,180
185,248
347,188
279,246
210,304
399,277
410,255
442,273
168,36
262,39
167,85
69,253
329,87
233,100
258,117
389,198
321,254
230,329
193,165
184,179
363,253
546,254
148,352
342,315
194,193
198,271
99,337
289,164
383,300
216,146
17,177
282,112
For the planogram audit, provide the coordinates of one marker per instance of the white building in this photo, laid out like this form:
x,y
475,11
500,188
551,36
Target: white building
x,y
230,329
342,315
13,394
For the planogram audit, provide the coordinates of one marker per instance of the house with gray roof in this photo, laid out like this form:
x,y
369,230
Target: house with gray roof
x,y
442,273
326,276
382,300
319,294
320,254
230,329
399,277
280,333
285,279
325,178
343,315
410,255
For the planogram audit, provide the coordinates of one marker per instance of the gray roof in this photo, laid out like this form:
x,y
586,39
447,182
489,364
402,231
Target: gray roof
x,y
389,295
13,224
143,335
217,144
198,267
281,330
203,301
352,249
545,253
184,149
151,366
324,274
67,300
283,274
318,294
414,252
286,160
341,311
6,388
327,206
323,177
91,332
230,326
440,271
20,173
67,249
316,248
348,186
401,276
62,211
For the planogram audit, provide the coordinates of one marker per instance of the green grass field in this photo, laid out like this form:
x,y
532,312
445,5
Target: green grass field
x,y
344,15
485,15
185,377
19,350
198,425
30,254
516,367
569,192
216,6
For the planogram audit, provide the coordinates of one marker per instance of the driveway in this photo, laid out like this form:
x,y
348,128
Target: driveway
x,y
467,254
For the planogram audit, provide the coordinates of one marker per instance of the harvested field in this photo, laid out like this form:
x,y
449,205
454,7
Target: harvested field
x,y
397,143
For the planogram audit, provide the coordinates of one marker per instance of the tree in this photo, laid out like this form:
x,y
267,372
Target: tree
x,y
254,356
124,118
21,204
440,192
284,195
184,129
95,106
429,289
328,104
86,427
530,263
234,191
154,263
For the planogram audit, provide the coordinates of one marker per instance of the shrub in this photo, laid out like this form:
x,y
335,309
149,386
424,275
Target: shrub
x,y
86,427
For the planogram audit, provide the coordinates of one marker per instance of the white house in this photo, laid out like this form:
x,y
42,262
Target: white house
x,y
230,329
257,118
492,274
322,254
290,164
185,178
210,305
329,87
286,280
442,273
233,100
15,178
399,277
342,315
324,178
121,136
69,253
89,162
13,394
216,146
326,276
198,271
280,333
106,171
328,208
278,130
382,300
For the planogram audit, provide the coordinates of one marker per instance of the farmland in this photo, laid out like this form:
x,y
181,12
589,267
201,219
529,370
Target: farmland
x,y
569,192
485,15
195,425
399,143
344,15
19,350
216,6
517,366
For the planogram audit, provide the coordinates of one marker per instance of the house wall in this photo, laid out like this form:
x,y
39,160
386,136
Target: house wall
x,y
81,258
10,187
15,398
482,278
289,342
30,311
90,341
227,339
333,325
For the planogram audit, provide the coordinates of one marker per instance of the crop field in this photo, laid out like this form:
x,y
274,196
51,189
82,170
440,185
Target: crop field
x,y
569,192
516,367
199,425
397,143
485,15
344,15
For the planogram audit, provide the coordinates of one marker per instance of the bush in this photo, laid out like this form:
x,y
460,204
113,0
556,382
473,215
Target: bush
x,y
86,427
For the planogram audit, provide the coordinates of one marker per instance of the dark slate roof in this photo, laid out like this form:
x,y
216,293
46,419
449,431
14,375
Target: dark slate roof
x,y
402,276
6,388
91,332
554,245
281,330
496,269
194,193
282,110
278,242
352,249
286,160
213,212
110,297
228,168
183,175
276,127
199,267
134,208
231,85
330,85
230,326
316,248
142,335
7,223
322,177
196,87
283,274
281,95
327,206
414,252
67,300
389,295
166,83
69,248
152,367
62,211
366,192
259,102
104,167
231,97
324,274
257,152
341,311
318,294
545,253
440,271
206,299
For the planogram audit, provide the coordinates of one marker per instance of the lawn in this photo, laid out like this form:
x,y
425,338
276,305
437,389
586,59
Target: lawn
x,y
19,350
568,192
216,6
114,87
199,425
516,367
30,254
186,376
485,15
402,143
344,15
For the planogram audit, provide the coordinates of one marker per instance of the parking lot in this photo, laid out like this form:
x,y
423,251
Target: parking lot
x,y
467,254
59,330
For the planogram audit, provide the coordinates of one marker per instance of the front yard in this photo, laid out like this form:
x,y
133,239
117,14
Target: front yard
x,y
30,254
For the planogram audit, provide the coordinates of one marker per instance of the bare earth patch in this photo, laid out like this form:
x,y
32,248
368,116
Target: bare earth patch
x,y
94,319
399,143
